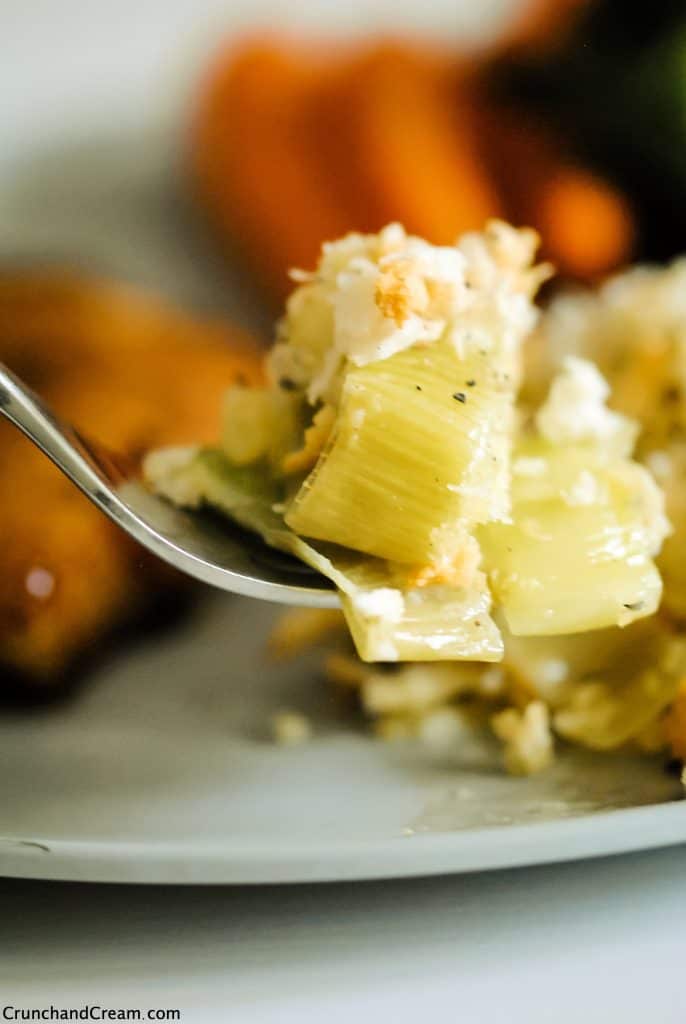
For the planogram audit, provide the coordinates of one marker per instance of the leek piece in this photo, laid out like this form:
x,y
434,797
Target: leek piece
x,y
260,423
548,668
577,554
420,447
607,710
388,621
433,623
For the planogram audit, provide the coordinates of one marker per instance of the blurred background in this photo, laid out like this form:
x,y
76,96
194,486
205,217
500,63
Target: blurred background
x,y
163,166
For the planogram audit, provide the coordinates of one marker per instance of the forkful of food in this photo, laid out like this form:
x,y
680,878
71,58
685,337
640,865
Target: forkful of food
x,y
385,455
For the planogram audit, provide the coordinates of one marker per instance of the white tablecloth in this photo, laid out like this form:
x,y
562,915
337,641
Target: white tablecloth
x,y
596,941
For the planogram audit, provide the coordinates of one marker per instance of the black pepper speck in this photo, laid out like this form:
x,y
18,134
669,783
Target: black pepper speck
x,y
460,396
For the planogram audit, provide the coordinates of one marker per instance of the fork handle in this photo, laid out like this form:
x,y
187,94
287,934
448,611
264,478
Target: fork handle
x,y
208,555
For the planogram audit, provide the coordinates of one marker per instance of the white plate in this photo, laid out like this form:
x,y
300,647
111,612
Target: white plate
x,y
162,771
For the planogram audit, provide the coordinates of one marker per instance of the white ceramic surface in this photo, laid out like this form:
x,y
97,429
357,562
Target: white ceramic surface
x,y
162,771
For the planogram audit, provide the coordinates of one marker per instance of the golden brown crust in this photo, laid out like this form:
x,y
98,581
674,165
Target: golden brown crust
x,y
400,292
133,374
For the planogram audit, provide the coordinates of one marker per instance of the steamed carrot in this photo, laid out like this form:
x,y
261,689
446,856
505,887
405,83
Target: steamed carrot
x,y
296,147
413,157
586,224
255,161
292,150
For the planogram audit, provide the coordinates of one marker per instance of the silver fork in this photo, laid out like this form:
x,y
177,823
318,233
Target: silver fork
x,y
209,549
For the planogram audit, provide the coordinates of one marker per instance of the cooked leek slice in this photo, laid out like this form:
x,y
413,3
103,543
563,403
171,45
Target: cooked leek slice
x,y
420,445
432,623
577,554
608,710
380,453
549,668
389,621
259,423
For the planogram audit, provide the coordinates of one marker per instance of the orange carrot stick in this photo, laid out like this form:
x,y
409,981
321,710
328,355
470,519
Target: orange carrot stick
x,y
413,157
588,223
255,163
291,150
585,223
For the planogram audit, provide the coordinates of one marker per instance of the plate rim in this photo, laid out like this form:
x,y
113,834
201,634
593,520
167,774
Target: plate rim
x,y
603,833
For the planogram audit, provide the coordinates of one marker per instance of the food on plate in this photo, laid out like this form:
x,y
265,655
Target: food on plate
x,y
397,369
634,326
294,143
291,728
605,690
497,495
387,452
134,373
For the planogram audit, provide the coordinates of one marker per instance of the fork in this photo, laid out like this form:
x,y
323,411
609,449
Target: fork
x,y
200,545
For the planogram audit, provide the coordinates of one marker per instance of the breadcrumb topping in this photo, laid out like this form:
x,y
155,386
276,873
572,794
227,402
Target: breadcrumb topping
x,y
401,291
374,295
316,436
291,729
528,741
575,410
